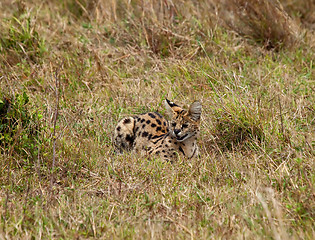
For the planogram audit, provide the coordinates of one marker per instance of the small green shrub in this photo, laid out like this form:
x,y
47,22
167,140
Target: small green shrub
x,y
21,40
18,127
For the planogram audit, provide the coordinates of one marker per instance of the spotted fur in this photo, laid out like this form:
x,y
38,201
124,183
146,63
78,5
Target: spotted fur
x,y
151,133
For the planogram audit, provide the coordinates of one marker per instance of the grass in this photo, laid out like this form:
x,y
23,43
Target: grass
x,y
70,70
263,21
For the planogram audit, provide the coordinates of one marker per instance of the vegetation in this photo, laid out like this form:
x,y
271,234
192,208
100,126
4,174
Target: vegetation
x,y
71,69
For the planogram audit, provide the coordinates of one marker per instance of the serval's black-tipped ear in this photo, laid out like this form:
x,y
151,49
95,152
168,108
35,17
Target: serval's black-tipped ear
x,y
169,107
195,110
171,104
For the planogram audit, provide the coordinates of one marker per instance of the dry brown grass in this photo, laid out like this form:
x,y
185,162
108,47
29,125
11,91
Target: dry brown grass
x,y
265,22
255,176
301,11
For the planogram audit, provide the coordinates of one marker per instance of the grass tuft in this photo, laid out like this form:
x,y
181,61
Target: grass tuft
x,y
265,22
301,11
21,40
236,126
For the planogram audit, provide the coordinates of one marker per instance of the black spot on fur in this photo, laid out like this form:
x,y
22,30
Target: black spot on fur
x,y
158,121
148,121
136,129
156,141
119,135
158,129
165,156
164,123
142,120
150,136
159,114
145,134
153,125
118,128
127,120
180,149
129,138
152,115
163,151
185,125
170,141
157,136
166,145
143,126
157,152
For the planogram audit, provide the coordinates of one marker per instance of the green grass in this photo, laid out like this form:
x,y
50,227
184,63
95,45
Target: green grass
x,y
93,63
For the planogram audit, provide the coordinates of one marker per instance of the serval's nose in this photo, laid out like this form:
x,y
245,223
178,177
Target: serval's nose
x,y
176,131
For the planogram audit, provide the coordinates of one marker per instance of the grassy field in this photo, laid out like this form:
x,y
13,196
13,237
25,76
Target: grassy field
x,y
71,69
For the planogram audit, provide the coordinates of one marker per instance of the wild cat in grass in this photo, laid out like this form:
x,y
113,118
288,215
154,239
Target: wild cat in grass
x,y
151,133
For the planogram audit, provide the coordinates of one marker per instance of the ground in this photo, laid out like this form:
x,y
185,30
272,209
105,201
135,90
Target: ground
x,y
71,69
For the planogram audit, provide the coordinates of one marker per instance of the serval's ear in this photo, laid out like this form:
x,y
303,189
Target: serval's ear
x,y
195,110
169,107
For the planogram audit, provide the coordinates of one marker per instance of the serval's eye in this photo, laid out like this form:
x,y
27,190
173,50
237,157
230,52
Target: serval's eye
x,y
185,125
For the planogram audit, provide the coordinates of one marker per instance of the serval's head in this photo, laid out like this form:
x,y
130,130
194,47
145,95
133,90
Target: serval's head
x,y
184,124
